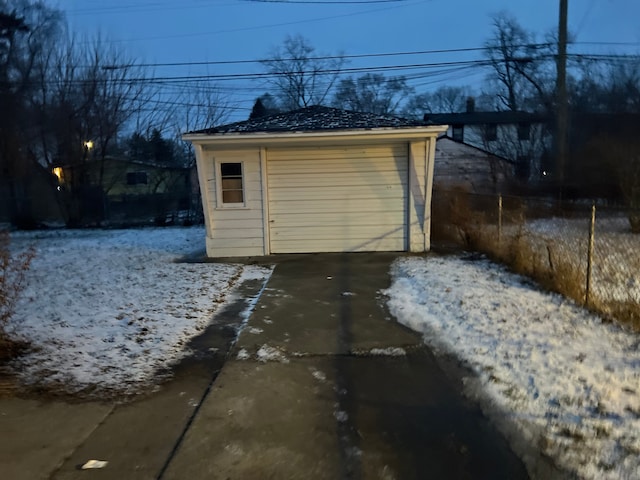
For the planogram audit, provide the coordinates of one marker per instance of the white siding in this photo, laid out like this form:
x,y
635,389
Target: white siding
x,y
335,199
235,231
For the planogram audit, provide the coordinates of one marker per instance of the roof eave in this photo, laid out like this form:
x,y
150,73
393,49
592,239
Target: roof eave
x,y
390,133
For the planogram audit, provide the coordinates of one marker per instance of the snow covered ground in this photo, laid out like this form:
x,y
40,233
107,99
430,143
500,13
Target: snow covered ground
x,y
564,380
106,310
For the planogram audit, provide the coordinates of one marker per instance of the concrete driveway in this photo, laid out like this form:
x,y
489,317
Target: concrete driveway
x,y
321,384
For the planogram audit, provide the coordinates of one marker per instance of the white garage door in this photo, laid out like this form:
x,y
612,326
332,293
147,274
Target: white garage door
x,y
338,199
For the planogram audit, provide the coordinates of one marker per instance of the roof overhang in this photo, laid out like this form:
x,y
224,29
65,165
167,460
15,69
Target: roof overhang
x,y
254,139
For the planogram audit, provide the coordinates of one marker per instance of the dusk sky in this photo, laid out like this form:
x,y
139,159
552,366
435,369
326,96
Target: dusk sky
x,y
164,31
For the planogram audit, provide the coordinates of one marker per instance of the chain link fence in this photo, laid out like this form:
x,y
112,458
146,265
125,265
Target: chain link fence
x,y
581,249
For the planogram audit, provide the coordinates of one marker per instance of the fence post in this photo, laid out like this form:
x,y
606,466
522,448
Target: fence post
x,y
592,230
499,220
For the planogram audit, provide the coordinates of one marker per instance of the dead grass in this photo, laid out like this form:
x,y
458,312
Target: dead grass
x,y
13,269
556,258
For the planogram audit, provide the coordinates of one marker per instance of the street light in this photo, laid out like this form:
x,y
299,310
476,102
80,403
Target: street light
x,y
88,144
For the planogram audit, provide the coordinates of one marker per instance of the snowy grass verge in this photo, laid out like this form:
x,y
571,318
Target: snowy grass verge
x,y
566,381
105,310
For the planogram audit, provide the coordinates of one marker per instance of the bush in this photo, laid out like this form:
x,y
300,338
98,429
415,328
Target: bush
x,y
13,269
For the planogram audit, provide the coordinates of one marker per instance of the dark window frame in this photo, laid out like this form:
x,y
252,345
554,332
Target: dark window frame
x,y
491,132
524,131
457,132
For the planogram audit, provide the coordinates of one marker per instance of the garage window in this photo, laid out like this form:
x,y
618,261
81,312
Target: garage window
x,y
231,184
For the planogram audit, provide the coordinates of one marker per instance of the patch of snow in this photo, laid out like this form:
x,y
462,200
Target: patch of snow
x,y
341,416
270,354
255,331
243,355
256,272
564,378
388,352
347,294
108,309
318,375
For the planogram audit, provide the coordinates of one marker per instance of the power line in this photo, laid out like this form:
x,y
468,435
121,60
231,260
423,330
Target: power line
x,y
354,56
263,27
323,57
326,2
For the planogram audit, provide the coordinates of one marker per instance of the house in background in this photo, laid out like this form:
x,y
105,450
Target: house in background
x,y
122,190
474,170
521,137
123,176
316,179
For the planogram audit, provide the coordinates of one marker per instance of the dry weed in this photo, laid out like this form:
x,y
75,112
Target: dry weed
x,y
13,269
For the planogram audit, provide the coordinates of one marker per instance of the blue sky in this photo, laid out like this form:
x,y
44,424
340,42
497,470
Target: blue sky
x,y
161,31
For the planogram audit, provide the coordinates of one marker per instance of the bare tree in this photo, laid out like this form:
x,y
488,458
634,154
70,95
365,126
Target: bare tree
x,y
88,93
372,93
27,29
606,87
446,99
299,76
520,77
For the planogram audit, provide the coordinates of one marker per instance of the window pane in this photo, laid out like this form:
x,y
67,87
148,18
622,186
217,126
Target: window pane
x,y
523,131
231,169
231,184
457,133
232,196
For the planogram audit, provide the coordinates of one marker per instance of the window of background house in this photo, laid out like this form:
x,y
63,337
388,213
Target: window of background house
x,y
491,132
523,130
457,132
523,167
231,184
137,178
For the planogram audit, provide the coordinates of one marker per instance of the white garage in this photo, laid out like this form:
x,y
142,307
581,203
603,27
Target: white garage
x,y
316,180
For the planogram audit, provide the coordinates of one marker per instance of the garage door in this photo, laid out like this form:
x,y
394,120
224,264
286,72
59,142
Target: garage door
x,y
338,199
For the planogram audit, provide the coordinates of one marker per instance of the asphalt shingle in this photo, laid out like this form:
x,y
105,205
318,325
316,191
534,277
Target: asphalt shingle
x,y
315,118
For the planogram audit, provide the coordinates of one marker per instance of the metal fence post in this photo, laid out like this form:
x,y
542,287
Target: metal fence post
x,y
592,229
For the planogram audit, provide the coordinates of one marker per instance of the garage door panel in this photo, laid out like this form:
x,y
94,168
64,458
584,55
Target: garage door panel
x,y
303,219
345,192
319,201
342,154
342,245
317,180
338,166
320,232
284,209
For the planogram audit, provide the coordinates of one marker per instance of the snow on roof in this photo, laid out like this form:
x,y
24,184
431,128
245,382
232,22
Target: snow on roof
x,y
315,118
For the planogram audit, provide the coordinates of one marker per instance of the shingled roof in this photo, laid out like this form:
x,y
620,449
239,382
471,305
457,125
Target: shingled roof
x,y
312,119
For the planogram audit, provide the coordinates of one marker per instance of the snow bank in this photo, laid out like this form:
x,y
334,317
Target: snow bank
x,y
549,365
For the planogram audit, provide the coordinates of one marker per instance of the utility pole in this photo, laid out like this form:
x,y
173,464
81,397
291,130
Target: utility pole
x,y
562,104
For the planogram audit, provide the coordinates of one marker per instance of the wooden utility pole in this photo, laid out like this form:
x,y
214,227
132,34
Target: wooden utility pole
x,y
562,103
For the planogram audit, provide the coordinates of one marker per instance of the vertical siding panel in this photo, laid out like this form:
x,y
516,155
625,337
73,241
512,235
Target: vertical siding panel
x,y
417,189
